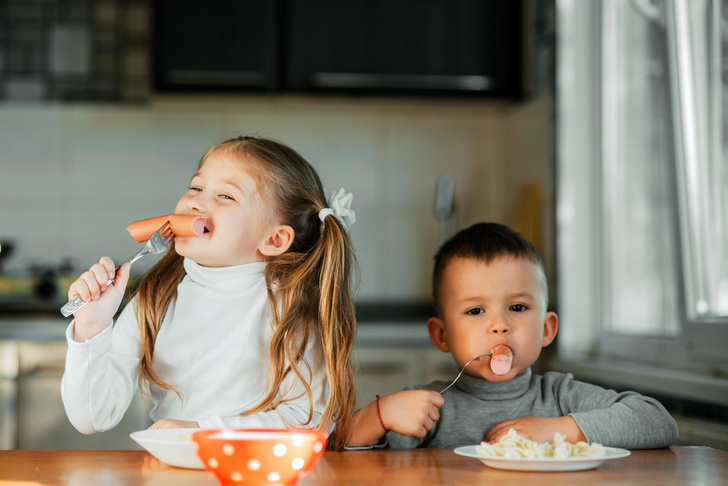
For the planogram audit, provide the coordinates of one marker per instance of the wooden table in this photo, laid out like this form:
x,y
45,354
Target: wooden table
x,y
674,466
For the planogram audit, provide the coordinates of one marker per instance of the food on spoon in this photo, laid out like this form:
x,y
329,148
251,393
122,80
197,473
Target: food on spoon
x,y
513,445
501,360
181,224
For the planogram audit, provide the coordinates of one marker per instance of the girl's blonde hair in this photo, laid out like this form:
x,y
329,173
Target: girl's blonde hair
x,y
309,286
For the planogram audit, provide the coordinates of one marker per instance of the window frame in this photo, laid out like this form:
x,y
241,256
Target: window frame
x,y
691,365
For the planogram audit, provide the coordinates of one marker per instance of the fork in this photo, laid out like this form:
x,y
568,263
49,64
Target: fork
x,y
157,243
461,371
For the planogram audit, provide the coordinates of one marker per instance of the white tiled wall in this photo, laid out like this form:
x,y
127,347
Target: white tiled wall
x,y
73,176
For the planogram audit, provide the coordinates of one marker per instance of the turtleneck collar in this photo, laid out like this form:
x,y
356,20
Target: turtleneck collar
x,y
227,279
486,390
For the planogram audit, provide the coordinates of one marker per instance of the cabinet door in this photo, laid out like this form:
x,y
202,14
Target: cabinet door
x,y
229,45
381,371
440,366
405,46
41,419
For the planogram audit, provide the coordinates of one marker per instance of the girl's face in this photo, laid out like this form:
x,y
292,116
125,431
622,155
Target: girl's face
x,y
238,221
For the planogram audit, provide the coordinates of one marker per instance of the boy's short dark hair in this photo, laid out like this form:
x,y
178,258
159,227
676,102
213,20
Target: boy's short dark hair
x,y
483,242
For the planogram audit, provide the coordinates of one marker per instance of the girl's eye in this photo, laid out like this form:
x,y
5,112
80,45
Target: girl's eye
x,y
227,196
475,311
196,189
519,308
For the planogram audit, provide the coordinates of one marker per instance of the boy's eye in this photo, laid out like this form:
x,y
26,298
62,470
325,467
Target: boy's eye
x,y
227,196
196,189
519,308
475,311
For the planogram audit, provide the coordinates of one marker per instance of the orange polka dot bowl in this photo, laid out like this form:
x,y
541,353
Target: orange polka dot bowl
x,y
259,456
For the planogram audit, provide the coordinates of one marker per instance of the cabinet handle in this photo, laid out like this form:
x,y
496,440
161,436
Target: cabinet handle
x,y
402,81
227,78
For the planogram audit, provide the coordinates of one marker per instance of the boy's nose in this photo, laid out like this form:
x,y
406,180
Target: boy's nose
x,y
498,325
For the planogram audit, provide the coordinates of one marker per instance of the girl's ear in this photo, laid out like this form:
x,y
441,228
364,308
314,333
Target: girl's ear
x,y
278,242
438,335
550,326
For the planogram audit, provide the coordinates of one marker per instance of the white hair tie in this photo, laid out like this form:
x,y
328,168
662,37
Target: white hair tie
x,y
325,212
340,208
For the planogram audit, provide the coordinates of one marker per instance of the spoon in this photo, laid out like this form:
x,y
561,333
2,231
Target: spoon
x,y
461,371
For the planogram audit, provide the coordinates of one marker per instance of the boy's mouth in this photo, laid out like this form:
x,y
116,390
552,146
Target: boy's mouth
x,y
502,359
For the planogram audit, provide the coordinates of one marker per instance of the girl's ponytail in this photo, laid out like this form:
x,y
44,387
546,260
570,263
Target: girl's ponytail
x,y
314,296
338,326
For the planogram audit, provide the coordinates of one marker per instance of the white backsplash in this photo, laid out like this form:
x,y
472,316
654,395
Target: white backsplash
x,y
73,176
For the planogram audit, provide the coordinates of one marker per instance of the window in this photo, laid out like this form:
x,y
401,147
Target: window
x,y
642,186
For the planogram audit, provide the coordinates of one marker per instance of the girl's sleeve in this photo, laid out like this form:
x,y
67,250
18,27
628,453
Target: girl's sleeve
x,y
99,381
627,419
293,413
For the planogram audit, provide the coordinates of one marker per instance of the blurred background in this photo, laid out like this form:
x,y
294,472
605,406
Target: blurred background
x,y
594,128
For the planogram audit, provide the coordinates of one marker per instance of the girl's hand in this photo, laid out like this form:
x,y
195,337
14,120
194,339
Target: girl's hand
x,y
411,412
174,424
540,429
103,301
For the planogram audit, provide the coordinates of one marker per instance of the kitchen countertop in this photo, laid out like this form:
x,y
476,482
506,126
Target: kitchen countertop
x,y
674,466
30,327
406,333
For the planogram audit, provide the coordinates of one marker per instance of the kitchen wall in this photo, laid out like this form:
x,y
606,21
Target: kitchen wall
x,y
72,176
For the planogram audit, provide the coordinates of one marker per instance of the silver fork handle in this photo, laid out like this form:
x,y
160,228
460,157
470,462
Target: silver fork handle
x,y
77,303
462,370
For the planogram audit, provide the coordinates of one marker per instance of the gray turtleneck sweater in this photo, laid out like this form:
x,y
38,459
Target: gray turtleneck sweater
x,y
627,420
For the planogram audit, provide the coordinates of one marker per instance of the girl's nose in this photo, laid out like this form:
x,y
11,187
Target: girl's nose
x,y
196,203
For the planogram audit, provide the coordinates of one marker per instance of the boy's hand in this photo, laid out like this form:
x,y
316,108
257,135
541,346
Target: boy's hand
x,y
540,429
103,301
411,412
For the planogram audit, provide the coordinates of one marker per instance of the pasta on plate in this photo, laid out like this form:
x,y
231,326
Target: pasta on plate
x,y
515,446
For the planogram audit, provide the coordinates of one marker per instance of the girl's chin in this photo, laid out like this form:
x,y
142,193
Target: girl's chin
x,y
185,250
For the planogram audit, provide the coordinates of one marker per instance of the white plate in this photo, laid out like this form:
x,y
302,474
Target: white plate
x,y
543,463
172,446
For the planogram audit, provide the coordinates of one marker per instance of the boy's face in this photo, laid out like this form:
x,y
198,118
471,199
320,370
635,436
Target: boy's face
x,y
503,302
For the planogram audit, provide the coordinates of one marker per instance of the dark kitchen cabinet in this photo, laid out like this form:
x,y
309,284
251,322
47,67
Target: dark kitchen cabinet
x,y
404,46
440,47
229,45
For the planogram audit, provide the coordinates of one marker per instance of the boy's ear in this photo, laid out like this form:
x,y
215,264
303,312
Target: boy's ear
x,y
438,335
279,241
550,326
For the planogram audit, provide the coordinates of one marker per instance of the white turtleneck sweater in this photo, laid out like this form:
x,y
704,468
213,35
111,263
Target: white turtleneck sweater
x,y
213,346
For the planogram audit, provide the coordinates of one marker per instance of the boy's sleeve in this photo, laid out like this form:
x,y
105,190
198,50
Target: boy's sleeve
x,y
627,419
394,440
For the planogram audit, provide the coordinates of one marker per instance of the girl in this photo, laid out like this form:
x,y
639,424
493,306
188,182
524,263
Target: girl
x,y
250,325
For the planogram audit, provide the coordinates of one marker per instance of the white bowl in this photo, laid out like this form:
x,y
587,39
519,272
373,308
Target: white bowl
x,y
172,446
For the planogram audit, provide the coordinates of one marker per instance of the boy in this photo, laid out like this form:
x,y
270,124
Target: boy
x,y
490,291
